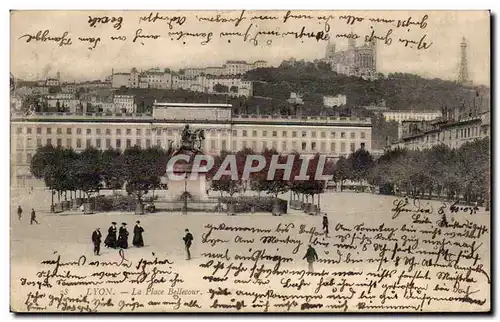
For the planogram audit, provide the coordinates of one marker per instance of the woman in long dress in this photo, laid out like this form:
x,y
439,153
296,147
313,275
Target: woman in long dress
x,y
138,230
110,240
123,237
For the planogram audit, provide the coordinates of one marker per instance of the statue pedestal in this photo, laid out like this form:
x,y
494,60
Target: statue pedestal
x,y
197,189
194,183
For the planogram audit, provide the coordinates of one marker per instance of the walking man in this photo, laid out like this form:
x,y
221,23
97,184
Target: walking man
x,y
96,240
311,256
188,240
33,217
325,225
19,212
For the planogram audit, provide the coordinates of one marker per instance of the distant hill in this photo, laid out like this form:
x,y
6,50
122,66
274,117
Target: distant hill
x,y
399,90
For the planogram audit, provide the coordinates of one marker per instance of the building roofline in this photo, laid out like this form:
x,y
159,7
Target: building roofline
x,y
413,112
159,104
151,120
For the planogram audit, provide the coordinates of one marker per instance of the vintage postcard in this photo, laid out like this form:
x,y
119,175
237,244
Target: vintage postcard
x,y
250,161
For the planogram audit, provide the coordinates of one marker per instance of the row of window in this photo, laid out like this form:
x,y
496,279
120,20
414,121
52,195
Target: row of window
x,y
463,133
303,146
210,145
128,143
88,131
243,133
295,134
470,132
295,146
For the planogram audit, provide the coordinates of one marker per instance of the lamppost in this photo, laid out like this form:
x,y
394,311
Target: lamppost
x,y
184,209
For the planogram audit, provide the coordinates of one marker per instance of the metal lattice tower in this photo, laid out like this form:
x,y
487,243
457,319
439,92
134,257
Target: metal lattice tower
x,y
463,73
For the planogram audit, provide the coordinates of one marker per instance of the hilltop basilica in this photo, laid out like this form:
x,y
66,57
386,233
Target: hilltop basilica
x,y
360,61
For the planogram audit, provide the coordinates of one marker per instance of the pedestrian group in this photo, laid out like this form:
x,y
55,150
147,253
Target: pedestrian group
x,y
121,242
112,241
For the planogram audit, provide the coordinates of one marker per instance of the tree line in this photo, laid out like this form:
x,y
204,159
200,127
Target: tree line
x,y
275,183
64,170
453,174
140,170
441,172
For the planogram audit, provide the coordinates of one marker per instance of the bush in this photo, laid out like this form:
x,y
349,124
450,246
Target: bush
x,y
115,202
150,199
104,204
387,189
261,204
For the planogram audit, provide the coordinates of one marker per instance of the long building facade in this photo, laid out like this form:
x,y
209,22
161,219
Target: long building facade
x,y
331,136
455,127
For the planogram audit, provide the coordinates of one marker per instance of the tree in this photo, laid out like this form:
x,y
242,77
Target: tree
x,y
226,183
342,171
234,89
140,173
89,171
474,158
360,164
112,167
43,156
70,166
48,164
383,172
311,186
219,88
158,159
278,183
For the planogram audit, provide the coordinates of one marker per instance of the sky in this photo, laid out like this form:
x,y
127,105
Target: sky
x,y
444,29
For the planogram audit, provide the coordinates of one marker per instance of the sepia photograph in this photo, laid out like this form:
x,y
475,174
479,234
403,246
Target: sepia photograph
x,y
246,161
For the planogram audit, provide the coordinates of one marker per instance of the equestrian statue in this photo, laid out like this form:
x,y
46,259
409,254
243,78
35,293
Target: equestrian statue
x,y
192,139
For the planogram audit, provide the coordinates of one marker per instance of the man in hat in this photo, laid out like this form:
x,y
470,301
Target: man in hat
x,y
123,236
138,230
311,256
110,240
19,212
96,240
325,225
188,240
33,217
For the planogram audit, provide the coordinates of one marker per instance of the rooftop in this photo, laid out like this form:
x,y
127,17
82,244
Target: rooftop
x,y
208,105
413,112
147,118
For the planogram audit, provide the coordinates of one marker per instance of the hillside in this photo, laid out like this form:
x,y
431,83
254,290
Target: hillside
x,y
400,91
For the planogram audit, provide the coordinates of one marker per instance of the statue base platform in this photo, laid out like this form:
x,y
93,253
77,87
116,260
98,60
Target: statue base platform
x,y
196,189
194,183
